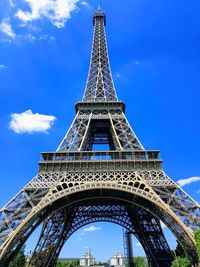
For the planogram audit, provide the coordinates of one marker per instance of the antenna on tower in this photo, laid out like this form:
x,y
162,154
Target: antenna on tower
x,y
99,7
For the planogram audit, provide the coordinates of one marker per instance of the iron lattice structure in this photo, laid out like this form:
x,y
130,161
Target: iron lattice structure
x,y
128,248
76,185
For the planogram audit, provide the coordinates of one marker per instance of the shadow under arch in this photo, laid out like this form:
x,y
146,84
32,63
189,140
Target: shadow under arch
x,y
61,197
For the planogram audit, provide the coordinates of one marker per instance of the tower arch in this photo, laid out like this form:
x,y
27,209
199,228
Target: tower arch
x,y
69,197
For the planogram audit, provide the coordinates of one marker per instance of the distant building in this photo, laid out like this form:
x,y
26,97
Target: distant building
x,y
117,260
87,260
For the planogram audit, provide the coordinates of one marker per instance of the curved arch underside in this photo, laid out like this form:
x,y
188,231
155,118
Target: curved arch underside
x,y
68,197
136,220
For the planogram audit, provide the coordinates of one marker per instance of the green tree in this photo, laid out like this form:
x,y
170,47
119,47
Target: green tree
x,y
75,262
61,264
104,263
139,261
197,238
19,260
181,262
179,250
68,263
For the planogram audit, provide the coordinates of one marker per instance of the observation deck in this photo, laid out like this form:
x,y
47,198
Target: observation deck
x,y
99,160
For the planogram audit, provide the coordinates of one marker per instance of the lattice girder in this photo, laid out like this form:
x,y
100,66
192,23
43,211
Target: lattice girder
x,y
17,209
70,183
51,234
100,86
186,207
78,138
102,210
78,218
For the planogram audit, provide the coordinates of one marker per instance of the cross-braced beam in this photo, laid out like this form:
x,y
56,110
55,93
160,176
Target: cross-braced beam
x,y
157,249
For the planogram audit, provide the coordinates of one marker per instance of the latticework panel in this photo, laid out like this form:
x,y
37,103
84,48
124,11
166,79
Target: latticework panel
x,y
76,134
51,235
148,233
46,188
99,85
17,210
79,135
124,133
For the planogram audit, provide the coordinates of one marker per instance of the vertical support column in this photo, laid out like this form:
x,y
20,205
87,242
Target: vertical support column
x,y
149,233
52,235
128,248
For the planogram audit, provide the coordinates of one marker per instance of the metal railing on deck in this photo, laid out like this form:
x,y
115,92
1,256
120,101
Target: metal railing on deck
x,y
100,155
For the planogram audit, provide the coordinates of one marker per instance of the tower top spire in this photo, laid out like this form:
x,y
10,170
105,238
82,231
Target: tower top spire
x,y
100,86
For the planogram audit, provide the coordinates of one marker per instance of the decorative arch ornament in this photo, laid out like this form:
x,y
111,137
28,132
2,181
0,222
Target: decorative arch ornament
x,y
106,185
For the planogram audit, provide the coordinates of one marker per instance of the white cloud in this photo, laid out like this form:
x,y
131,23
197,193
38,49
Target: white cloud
x,y
138,244
29,37
6,28
85,4
2,67
57,11
186,181
91,228
35,37
11,3
27,122
137,62
47,37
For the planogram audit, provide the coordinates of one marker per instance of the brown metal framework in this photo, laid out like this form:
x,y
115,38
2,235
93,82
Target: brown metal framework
x,y
76,186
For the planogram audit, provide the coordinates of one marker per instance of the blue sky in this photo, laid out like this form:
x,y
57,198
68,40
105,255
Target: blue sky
x,y
44,59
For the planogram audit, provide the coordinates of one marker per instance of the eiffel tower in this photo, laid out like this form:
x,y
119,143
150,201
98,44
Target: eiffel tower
x,y
77,185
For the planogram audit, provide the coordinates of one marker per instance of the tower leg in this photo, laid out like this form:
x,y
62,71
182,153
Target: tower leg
x,y
149,232
50,239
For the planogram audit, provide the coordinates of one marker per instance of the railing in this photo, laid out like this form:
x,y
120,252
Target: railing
x,y
100,155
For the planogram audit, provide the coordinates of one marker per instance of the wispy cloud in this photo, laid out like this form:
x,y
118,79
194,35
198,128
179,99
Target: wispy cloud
x,y
28,122
183,182
2,66
118,75
91,228
6,28
85,4
33,38
57,11
11,3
